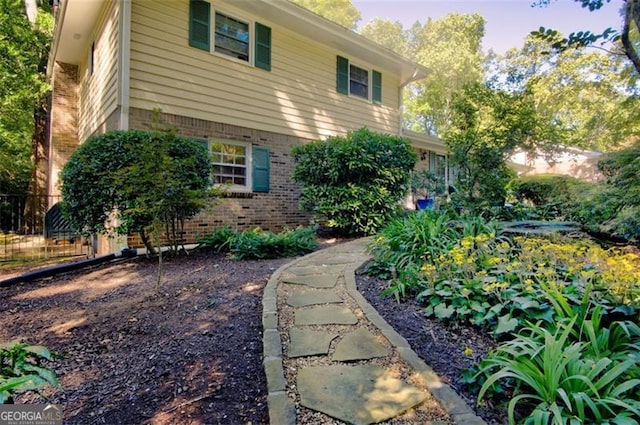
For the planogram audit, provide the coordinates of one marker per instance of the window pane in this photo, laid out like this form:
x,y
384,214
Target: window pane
x,y
229,164
359,90
358,82
232,37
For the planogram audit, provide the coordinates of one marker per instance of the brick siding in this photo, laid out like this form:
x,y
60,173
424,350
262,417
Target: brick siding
x,y
270,211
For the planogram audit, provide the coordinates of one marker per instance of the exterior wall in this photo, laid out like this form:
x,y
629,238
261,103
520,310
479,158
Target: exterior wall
x,y
582,165
270,211
98,90
64,121
296,98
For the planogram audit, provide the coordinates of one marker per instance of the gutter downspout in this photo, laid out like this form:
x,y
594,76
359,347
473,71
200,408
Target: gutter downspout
x,y
58,21
124,59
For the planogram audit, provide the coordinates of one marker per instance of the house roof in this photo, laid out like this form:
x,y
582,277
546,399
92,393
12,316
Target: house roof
x,y
76,19
424,141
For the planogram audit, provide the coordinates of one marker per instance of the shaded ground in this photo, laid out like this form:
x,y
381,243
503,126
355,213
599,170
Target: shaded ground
x,y
190,353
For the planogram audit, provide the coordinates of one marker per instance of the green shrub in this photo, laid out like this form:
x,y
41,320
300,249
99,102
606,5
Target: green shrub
x,y
144,178
259,244
355,182
21,369
545,188
218,240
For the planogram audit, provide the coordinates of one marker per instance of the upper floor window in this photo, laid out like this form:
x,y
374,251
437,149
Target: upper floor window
x,y
231,36
357,81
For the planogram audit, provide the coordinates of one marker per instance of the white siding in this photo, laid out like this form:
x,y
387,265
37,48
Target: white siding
x,y
298,97
99,90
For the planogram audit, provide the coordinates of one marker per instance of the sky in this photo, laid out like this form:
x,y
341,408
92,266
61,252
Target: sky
x,y
507,21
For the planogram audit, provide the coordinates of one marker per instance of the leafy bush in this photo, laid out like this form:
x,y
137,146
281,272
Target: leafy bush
x,y
21,369
218,240
258,244
355,182
545,188
141,178
465,270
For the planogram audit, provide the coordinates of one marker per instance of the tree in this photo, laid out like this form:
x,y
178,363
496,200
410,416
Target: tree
x,y
451,49
388,34
355,182
487,126
342,12
135,181
627,39
23,55
584,97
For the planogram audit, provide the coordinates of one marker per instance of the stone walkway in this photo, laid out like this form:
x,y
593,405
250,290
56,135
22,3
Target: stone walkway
x,y
360,370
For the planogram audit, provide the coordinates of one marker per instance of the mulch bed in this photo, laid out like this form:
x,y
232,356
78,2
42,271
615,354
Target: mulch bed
x,y
189,352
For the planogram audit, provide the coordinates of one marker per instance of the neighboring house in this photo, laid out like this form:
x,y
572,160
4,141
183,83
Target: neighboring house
x,y
569,161
251,78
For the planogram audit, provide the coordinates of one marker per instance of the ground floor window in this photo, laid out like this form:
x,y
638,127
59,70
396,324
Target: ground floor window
x,y
240,167
230,164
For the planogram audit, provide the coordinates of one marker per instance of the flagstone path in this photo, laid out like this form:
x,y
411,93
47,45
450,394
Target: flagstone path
x,y
360,371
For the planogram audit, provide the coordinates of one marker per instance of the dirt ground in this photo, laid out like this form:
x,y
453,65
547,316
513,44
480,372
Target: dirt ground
x,y
190,353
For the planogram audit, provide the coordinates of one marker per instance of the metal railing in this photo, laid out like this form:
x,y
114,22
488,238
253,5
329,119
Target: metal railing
x,y
33,227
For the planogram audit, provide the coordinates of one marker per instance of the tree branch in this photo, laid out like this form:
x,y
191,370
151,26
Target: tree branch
x,y
631,14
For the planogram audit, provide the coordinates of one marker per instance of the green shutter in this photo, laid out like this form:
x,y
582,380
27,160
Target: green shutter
x,y
260,169
199,17
342,78
432,161
263,47
376,92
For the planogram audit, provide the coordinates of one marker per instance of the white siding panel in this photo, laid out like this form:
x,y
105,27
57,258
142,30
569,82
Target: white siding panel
x,y
99,91
297,97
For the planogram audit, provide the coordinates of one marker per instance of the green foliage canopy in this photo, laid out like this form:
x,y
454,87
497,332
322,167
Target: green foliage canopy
x,y
356,181
342,12
138,178
23,54
488,125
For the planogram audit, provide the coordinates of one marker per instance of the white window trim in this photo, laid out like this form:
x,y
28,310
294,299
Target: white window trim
x,y
369,80
248,187
212,37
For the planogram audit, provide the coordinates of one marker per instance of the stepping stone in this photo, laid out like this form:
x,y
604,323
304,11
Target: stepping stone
x,y
359,345
309,343
359,395
311,269
343,259
316,281
307,296
325,315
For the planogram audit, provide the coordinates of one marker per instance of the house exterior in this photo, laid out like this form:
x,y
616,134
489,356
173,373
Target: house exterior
x,y
569,161
251,78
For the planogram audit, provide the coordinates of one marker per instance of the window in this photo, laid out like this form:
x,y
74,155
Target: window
x,y
231,36
230,164
441,166
239,166
359,82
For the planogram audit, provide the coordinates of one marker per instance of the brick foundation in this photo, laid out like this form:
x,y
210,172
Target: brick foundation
x,y
270,211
